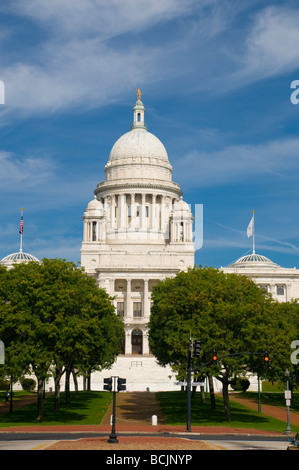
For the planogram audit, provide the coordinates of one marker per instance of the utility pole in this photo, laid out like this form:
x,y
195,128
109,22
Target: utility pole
x,y
189,368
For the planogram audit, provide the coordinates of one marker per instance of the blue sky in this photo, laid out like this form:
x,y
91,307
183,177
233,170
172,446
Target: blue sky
x,y
215,78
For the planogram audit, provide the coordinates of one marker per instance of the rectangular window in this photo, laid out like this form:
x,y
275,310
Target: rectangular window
x,y
120,309
264,287
146,211
137,309
280,290
94,231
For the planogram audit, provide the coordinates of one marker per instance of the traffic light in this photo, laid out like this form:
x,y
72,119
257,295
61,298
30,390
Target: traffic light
x,y
196,348
214,358
266,359
121,384
108,384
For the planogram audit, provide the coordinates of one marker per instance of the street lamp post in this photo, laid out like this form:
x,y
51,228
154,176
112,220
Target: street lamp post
x,y
189,367
288,429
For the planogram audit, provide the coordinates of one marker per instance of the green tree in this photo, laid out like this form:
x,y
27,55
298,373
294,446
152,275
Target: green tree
x,y
229,313
57,318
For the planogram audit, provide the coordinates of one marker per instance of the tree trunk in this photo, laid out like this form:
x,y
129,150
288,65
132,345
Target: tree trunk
x,y
202,392
11,393
212,393
225,384
89,381
75,381
58,374
40,398
67,385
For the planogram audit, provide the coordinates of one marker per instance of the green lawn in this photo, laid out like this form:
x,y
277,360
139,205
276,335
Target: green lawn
x,y
174,408
90,407
87,408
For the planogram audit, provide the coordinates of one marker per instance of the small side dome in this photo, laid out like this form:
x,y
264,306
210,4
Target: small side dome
x,y
254,260
181,206
19,257
94,208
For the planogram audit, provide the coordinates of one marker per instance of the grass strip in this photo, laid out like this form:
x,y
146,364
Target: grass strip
x,y
88,408
174,407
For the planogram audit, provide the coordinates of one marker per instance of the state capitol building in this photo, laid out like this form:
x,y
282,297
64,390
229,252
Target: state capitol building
x,y
137,231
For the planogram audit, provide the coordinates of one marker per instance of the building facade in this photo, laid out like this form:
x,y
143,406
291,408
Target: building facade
x,y
282,283
137,231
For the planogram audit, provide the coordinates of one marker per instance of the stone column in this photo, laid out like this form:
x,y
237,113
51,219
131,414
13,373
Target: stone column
x,y
153,213
145,345
133,212
122,211
143,217
85,227
162,213
128,311
128,341
112,212
146,309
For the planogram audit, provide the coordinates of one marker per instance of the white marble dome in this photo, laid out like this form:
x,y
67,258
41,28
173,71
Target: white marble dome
x,y
138,143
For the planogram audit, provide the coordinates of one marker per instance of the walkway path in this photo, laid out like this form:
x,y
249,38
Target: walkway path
x,y
135,408
26,400
269,410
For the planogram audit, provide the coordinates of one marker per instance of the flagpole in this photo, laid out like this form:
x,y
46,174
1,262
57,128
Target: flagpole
x,y
253,237
21,232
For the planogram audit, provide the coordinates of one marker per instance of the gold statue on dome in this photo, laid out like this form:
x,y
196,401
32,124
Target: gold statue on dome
x,y
138,94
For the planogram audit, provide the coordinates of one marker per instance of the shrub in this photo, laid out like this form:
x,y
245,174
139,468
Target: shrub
x,y
240,384
28,384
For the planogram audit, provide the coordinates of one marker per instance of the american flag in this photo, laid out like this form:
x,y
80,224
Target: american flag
x,y
21,223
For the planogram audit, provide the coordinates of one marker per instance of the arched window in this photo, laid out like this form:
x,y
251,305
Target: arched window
x,y
137,341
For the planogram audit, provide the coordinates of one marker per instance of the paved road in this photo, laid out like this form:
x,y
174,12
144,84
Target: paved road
x,y
235,443
32,441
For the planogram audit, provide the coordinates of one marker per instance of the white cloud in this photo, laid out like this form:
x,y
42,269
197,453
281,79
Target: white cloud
x,y
80,60
237,164
29,171
270,48
106,19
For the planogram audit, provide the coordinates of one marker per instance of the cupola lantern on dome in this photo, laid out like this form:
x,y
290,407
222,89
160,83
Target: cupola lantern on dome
x,y
138,113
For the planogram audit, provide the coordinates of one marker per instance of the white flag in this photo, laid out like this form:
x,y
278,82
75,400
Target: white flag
x,y
250,228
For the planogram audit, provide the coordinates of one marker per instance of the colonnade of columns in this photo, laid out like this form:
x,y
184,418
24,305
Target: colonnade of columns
x,y
142,212
137,210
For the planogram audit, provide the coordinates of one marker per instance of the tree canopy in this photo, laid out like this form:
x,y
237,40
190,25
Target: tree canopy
x,y
228,313
54,317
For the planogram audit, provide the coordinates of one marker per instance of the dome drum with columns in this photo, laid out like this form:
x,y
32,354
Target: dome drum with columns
x,y
137,232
